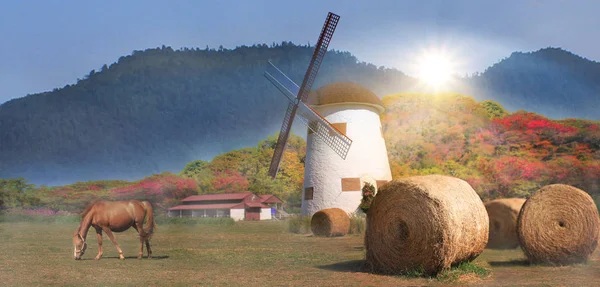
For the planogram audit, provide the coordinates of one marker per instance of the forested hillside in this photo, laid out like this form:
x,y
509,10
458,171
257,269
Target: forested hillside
x,y
500,154
156,110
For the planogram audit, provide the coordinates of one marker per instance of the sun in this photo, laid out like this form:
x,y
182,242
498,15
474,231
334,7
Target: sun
x,y
435,68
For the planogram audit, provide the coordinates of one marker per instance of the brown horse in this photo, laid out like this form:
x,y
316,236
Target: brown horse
x,y
116,216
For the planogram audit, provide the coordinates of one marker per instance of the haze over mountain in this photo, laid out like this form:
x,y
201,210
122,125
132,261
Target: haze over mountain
x,y
550,81
158,109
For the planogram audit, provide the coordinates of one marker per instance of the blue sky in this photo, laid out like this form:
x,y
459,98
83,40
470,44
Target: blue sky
x,y
48,44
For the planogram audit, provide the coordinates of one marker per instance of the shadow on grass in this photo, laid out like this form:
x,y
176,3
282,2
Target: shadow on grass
x,y
510,263
154,257
346,266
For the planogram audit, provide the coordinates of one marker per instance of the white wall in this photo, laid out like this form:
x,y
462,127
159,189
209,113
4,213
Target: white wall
x,y
265,213
367,158
236,214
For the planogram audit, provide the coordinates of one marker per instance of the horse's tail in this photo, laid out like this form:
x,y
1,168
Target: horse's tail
x,y
150,223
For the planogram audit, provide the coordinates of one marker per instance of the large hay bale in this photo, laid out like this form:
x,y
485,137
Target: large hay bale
x,y
330,222
558,225
503,214
425,222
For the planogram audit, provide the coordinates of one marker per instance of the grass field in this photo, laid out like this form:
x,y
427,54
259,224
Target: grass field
x,y
244,254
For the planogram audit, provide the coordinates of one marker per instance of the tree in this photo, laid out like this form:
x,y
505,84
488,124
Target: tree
x,y
493,109
194,168
18,193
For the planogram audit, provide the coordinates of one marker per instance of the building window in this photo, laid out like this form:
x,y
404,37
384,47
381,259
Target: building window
x,y
340,127
308,193
351,184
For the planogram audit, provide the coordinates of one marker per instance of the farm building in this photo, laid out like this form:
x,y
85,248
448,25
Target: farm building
x,y
239,206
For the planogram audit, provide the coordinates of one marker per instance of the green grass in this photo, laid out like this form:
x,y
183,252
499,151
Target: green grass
x,y
450,275
243,254
299,224
358,224
466,268
8,217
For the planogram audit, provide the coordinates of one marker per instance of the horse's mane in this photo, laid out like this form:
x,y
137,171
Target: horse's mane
x,y
89,207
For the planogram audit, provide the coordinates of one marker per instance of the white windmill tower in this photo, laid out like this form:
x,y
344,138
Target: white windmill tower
x,y
334,174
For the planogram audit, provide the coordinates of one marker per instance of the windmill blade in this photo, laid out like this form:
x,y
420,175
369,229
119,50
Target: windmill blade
x,y
318,55
282,82
288,87
336,140
284,134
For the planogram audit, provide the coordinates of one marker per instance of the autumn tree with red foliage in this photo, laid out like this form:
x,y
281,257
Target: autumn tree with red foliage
x,y
499,154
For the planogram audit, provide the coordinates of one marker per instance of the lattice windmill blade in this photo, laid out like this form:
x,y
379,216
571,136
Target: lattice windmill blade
x,y
284,134
339,142
318,55
288,87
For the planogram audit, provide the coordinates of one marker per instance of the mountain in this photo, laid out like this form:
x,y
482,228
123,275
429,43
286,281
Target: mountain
x,y
157,109
550,81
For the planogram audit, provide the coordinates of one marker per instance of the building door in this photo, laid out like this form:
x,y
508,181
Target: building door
x,y
252,213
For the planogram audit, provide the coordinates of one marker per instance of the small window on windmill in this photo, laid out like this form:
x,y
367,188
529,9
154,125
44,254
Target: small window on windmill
x,y
308,193
351,184
340,127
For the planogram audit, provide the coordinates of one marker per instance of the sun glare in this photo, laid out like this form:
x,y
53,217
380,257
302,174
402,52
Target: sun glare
x,y
435,68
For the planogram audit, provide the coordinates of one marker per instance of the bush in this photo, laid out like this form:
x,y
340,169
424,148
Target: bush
x,y
299,224
358,224
221,221
368,193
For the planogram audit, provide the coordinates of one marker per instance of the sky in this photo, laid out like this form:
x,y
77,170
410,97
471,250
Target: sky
x,y
49,44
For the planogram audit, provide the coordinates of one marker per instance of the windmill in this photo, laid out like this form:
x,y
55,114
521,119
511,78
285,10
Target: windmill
x,y
298,97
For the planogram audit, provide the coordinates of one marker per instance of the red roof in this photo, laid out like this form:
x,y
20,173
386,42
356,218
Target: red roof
x,y
240,205
255,204
269,198
209,206
222,196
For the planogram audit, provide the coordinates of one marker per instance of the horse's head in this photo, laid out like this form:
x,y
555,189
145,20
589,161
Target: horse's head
x,y
79,246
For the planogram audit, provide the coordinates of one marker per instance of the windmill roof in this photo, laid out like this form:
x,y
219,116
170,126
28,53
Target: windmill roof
x,y
344,92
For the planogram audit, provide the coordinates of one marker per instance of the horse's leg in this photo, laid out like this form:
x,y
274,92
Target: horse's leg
x,y
148,248
112,238
138,228
99,236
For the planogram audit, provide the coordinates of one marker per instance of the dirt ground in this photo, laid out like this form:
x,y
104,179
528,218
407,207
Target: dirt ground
x,y
246,254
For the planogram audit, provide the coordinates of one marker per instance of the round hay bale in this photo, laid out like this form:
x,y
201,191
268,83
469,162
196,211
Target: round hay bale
x,y
425,222
330,222
503,214
558,225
